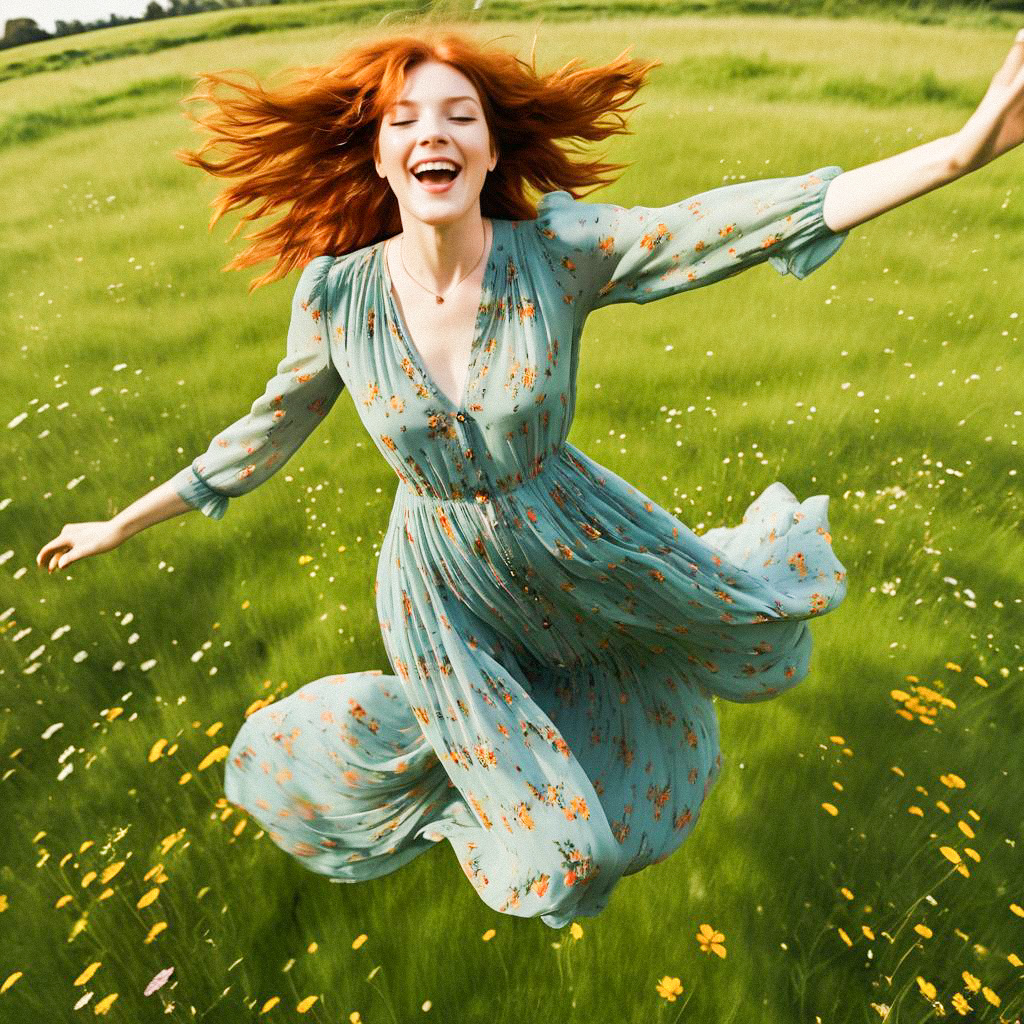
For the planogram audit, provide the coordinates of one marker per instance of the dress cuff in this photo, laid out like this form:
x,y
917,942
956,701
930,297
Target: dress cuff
x,y
814,241
193,489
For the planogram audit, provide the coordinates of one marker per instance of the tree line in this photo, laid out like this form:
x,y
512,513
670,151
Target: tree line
x,y
18,31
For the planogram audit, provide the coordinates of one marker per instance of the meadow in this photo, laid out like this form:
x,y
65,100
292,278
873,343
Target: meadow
x,y
860,858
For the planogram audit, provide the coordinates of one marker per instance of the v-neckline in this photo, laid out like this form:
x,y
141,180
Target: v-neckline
x,y
484,303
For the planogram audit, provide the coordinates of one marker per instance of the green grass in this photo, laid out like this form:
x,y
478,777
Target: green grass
x,y
144,38
889,380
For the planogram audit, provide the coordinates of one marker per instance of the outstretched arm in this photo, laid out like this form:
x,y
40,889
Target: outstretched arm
x,y
307,384
996,127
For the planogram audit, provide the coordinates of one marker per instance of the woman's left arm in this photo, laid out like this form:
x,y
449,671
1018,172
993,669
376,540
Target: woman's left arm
x,y
996,127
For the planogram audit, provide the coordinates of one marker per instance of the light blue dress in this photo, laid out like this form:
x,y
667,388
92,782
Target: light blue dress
x,y
555,637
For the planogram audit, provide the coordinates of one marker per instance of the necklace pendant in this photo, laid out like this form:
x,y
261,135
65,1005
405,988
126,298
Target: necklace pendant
x,y
440,299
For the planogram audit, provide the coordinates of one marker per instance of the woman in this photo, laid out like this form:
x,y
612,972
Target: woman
x,y
556,638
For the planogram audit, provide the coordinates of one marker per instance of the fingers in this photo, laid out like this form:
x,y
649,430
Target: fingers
x,y
44,553
52,553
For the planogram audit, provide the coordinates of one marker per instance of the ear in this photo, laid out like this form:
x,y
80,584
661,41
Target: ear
x,y
376,157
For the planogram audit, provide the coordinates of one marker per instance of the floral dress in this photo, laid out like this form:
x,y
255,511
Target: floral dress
x,y
556,638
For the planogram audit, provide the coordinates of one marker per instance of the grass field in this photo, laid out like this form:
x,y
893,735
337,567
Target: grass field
x,y
861,854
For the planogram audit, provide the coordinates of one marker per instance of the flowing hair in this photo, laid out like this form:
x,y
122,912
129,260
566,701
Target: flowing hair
x,y
311,142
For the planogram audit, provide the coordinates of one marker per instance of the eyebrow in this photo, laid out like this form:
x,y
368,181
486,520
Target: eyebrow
x,y
450,99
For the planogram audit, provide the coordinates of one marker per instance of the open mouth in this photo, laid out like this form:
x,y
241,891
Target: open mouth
x,y
435,178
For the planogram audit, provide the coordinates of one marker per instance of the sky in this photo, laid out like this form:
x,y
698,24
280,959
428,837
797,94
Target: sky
x,y
46,12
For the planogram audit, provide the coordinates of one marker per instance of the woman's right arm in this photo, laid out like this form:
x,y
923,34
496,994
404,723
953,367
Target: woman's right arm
x,y
245,453
162,502
79,540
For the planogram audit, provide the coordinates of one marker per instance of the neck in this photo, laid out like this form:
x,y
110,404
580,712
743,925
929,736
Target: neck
x,y
439,255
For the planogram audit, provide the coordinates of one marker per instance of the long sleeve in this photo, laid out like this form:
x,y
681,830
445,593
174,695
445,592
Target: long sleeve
x,y
303,390
605,253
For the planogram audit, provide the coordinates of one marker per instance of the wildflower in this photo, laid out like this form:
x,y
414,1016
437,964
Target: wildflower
x,y
960,1004
711,941
159,980
669,988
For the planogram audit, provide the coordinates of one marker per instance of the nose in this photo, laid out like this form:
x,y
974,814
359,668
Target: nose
x,y
432,128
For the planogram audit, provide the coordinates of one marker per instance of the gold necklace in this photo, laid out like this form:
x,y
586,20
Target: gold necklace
x,y
439,298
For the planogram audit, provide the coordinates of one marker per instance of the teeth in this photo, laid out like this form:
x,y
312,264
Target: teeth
x,y
435,165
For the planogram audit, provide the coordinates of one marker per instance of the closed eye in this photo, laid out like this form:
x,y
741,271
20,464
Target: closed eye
x,y
398,124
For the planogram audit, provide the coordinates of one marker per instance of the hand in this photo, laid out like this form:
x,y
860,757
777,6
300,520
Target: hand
x,y
78,540
998,123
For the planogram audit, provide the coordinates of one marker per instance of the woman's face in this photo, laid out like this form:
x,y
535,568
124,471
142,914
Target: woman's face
x,y
438,117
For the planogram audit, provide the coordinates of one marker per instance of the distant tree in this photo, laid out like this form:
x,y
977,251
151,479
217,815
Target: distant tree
x,y
23,30
69,28
154,10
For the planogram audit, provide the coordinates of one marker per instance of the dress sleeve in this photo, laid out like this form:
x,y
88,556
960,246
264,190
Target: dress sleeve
x,y
303,390
606,253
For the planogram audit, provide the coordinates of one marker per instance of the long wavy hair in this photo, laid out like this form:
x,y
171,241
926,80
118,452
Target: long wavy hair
x,y
309,144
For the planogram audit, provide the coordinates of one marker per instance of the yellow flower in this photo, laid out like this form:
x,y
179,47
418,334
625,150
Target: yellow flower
x,y
104,1005
991,996
217,754
87,973
711,941
110,870
960,1004
575,931
971,983
147,898
923,930
927,988
488,935
668,988
306,1003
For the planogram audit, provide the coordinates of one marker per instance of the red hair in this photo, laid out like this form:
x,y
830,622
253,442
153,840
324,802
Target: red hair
x,y
310,143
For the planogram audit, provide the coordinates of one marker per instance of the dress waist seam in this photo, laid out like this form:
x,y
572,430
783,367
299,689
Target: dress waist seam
x,y
484,495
